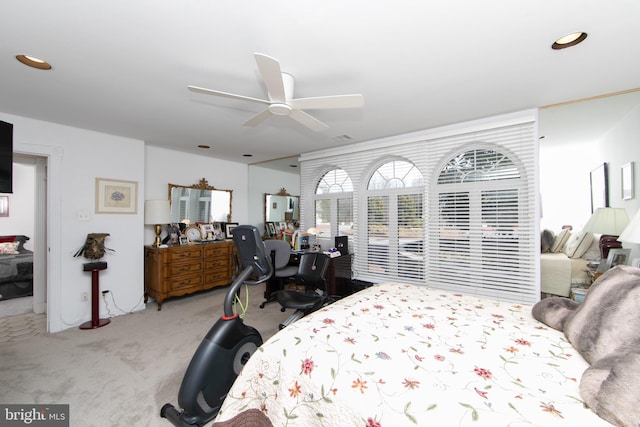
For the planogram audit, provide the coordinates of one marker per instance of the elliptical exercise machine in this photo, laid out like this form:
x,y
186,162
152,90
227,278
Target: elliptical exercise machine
x,y
227,346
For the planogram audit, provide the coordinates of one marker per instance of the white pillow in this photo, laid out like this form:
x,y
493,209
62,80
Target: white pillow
x,y
9,248
593,251
560,240
578,244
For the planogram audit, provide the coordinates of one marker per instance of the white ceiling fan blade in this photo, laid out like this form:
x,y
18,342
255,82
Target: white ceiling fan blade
x,y
272,76
225,94
308,120
325,102
258,118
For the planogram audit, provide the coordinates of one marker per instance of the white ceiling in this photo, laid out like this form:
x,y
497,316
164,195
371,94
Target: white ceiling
x,y
122,67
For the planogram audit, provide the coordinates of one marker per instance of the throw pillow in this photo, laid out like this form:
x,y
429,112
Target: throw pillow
x,y
560,240
9,248
546,240
593,251
578,244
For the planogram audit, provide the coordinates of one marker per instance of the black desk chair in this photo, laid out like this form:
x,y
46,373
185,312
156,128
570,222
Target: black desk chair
x,y
311,276
280,251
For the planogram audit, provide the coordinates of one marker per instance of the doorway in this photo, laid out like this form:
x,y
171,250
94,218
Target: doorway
x,y
28,217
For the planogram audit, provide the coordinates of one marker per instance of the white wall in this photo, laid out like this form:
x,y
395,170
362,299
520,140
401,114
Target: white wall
x,y
565,166
75,158
618,147
164,167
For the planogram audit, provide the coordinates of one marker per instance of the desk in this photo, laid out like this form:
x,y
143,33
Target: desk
x,y
337,278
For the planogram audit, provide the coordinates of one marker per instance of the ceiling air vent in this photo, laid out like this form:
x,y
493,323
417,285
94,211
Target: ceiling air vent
x,y
342,138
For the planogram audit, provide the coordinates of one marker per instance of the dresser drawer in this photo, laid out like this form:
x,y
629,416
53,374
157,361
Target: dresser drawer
x,y
217,277
177,269
185,253
217,264
216,250
191,281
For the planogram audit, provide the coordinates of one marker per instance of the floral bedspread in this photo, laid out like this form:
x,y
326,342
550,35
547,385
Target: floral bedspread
x,y
396,354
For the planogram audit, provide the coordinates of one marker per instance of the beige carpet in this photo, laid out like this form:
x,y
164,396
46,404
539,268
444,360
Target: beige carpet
x,y
121,374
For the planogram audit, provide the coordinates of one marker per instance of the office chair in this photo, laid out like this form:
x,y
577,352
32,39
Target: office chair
x,y
311,275
280,251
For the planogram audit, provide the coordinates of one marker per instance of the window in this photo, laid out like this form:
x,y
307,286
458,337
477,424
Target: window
x,y
395,223
334,207
478,245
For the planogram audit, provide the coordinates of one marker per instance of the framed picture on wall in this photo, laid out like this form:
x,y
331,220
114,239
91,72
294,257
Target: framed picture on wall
x,y
116,197
627,181
599,187
4,205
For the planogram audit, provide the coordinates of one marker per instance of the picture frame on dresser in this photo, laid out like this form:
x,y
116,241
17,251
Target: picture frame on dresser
x,y
228,229
270,228
617,256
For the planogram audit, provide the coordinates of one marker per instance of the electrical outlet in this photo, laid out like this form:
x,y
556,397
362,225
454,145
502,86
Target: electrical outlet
x,y
84,296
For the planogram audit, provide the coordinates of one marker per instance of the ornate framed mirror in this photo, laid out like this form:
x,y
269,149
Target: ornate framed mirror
x,y
281,207
199,203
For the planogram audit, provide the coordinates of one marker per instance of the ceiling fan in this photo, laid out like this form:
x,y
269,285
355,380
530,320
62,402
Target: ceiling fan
x,y
281,102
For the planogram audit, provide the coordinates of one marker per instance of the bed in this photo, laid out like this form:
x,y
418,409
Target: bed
x,y
396,354
16,267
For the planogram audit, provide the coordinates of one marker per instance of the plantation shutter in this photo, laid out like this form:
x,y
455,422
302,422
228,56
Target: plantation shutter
x,y
479,234
482,237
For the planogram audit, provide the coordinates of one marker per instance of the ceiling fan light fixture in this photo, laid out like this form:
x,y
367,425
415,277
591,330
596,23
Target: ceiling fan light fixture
x,y
569,40
33,62
279,109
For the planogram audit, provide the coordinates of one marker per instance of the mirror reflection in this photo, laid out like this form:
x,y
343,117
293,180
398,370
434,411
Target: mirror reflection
x,y
282,207
199,203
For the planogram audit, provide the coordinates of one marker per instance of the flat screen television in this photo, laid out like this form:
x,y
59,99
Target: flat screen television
x,y
6,157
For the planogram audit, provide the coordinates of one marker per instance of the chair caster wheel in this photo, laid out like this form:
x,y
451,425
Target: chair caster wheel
x,y
262,305
283,309
281,326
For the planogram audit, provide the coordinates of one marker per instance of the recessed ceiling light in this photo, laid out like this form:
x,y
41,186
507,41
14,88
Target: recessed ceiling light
x,y
34,62
204,147
569,40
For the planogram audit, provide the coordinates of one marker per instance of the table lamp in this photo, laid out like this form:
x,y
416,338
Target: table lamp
x,y
610,222
156,213
631,233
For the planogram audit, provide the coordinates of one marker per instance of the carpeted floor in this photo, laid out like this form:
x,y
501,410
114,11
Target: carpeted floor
x,y
121,374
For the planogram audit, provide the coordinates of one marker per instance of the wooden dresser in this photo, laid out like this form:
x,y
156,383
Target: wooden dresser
x,y
181,270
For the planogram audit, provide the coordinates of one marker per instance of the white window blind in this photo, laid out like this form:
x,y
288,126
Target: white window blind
x,y
395,223
479,224
482,236
333,207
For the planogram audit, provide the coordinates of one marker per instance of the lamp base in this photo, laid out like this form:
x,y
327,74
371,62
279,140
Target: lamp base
x,y
607,242
158,241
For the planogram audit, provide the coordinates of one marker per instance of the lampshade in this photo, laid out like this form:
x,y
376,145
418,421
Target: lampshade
x,y
611,221
157,212
631,234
